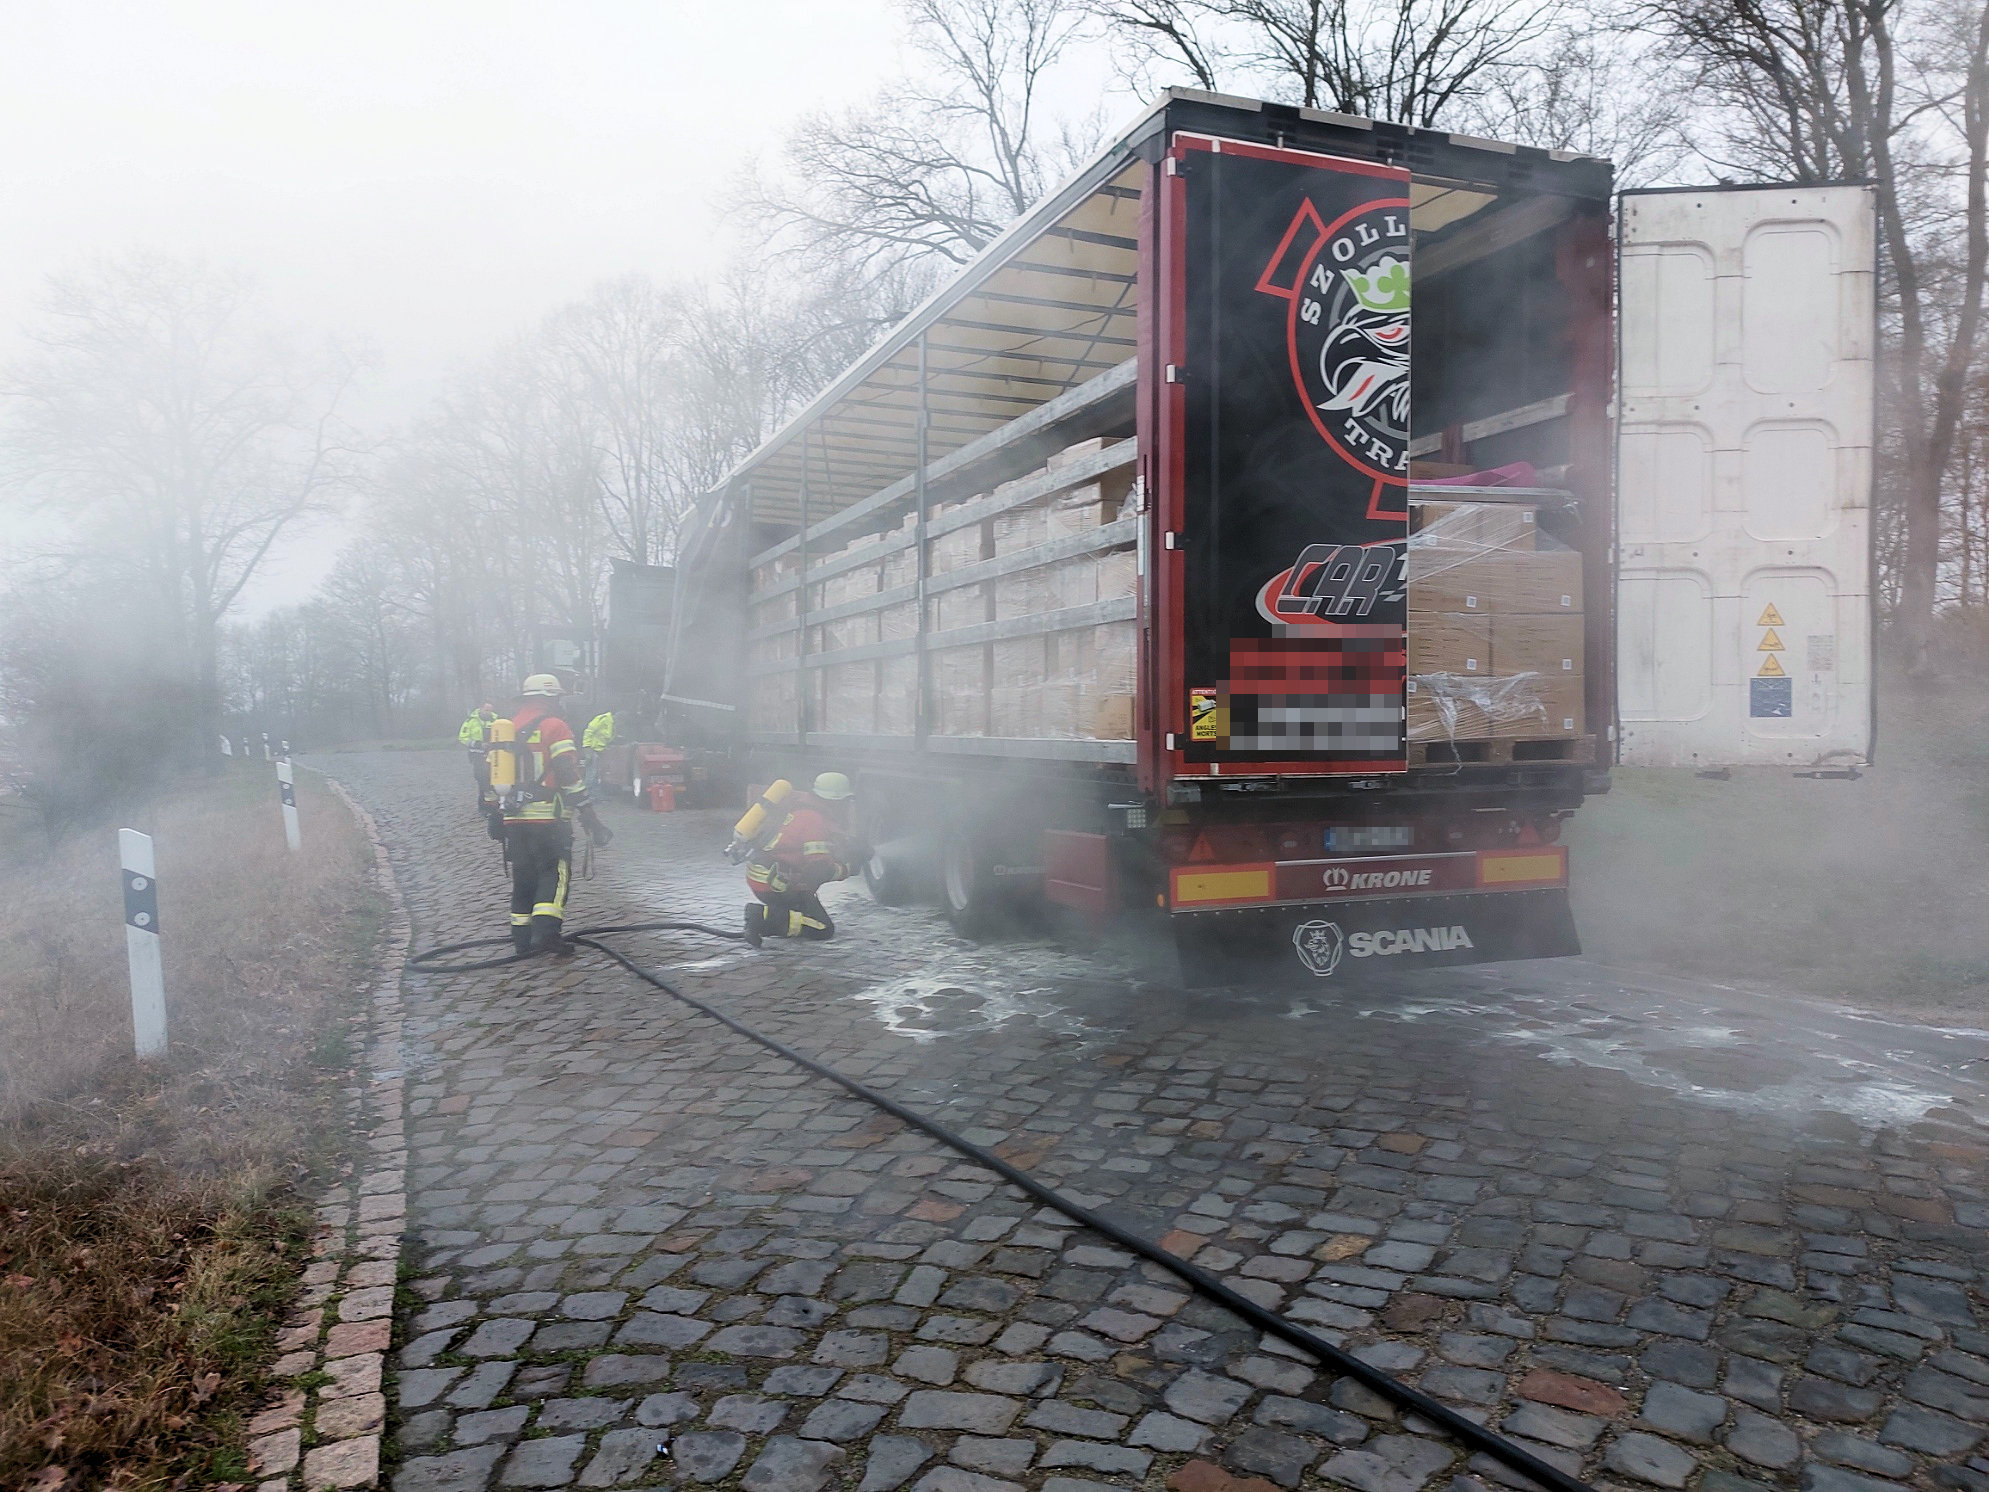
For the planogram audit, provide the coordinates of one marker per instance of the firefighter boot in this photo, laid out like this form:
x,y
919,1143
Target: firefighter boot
x,y
546,936
756,923
521,938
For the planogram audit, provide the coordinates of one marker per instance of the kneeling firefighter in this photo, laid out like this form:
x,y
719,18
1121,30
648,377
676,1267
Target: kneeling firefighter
x,y
535,780
793,845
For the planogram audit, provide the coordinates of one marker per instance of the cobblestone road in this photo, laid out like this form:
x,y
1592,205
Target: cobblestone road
x,y
1667,1235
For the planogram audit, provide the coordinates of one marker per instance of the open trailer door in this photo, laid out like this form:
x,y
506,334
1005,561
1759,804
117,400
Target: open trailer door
x,y
1744,476
1283,461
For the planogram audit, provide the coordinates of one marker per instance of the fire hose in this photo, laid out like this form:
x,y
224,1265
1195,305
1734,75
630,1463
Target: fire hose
x,y
1473,1435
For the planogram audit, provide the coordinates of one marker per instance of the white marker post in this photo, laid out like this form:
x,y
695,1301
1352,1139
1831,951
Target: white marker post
x,y
265,746
286,787
141,943
227,747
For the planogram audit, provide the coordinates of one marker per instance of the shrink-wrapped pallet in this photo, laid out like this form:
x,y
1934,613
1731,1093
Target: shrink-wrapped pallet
x,y
1020,529
1479,572
1015,696
849,699
776,611
900,567
772,702
898,621
898,695
955,550
962,606
959,691
845,632
1118,574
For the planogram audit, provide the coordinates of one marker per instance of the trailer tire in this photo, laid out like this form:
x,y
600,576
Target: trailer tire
x,y
967,884
890,882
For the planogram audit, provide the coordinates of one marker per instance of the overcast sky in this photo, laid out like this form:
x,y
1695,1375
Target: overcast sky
x,y
424,175
427,173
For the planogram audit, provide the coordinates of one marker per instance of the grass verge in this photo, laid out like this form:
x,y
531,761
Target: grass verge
x,y
154,1217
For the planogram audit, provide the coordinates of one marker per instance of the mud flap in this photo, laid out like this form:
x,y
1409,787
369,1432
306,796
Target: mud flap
x,y
1347,940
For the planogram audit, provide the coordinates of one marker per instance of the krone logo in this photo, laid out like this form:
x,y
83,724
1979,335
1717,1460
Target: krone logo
x,y
1337,877
1348,331
1319,946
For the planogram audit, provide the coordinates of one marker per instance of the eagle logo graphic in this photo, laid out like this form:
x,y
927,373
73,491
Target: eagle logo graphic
x,y
1347,334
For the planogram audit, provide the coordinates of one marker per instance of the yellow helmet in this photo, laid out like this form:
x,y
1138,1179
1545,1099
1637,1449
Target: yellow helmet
x,y
832,787
543,686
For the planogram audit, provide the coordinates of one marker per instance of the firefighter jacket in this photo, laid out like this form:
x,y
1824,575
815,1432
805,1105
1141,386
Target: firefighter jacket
x,y
549,765
600,732
810,850
472,732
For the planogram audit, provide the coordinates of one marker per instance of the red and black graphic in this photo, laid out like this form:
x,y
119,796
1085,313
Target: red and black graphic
x,y
1332,586
1346,284
1295,433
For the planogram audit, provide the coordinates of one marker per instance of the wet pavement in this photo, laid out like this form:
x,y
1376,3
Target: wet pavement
x,y
1666,1233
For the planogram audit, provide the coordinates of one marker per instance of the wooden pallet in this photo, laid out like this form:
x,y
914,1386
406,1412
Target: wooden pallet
x,y
1505,752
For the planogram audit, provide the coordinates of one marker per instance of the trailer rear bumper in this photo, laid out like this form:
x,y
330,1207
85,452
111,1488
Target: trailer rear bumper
x,y
1343,940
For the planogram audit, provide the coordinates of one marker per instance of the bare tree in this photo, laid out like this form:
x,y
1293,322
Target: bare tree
x,y
1596,89
159,409
1416,61
1823,90
940,164
616,347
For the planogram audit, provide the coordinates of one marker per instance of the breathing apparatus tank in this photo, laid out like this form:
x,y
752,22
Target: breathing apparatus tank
x,y
756,828
501,759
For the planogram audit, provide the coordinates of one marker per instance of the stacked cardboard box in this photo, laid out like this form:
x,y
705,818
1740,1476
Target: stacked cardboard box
x,y
1072,683
1495,625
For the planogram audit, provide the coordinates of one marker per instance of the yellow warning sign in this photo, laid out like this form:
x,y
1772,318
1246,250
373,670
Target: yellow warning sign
x,y
1771,617
1771,668
1772,643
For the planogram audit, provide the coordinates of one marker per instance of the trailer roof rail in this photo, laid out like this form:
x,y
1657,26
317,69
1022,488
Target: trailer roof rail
x,y
1039,328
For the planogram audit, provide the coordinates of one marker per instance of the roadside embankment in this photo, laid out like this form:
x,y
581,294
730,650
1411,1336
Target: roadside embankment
x,y
154,1217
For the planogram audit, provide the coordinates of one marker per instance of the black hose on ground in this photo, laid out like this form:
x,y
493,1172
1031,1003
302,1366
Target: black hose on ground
x,y
1471,1433
423,962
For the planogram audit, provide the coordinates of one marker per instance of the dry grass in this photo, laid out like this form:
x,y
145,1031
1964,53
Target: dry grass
x,y
152,1217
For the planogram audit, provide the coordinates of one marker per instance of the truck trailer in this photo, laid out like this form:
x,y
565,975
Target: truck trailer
x,y
1152,566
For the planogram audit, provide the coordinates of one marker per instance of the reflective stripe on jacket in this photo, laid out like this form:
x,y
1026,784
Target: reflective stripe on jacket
x,y
809,851
549,762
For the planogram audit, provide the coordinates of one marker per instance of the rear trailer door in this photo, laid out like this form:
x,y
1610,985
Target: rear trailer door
x,y
1282,360
1744,476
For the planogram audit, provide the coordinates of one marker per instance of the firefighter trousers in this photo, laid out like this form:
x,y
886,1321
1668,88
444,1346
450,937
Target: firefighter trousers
x,y
541,868
794,914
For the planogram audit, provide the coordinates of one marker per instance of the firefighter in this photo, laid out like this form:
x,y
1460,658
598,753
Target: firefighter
x,y
474,733
539,796
597,738
813,846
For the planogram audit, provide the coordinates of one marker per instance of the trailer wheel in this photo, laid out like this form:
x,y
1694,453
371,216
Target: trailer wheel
x,y
890,882
967,885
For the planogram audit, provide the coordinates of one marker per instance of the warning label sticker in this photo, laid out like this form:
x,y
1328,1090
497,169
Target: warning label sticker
x,y
1771,617
1771,642
1771,668
1202,716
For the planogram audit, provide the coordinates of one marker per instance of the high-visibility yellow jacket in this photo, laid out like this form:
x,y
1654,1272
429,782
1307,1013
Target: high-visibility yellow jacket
x,y
472,732
600,732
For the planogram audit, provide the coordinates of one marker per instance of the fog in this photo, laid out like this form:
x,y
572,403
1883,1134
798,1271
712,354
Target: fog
x,y
424,177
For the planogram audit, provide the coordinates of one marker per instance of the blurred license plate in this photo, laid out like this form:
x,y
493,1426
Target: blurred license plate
x,y
1343,837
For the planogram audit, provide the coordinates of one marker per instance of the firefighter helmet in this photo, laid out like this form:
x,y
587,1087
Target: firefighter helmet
x,y
832,787
542,686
